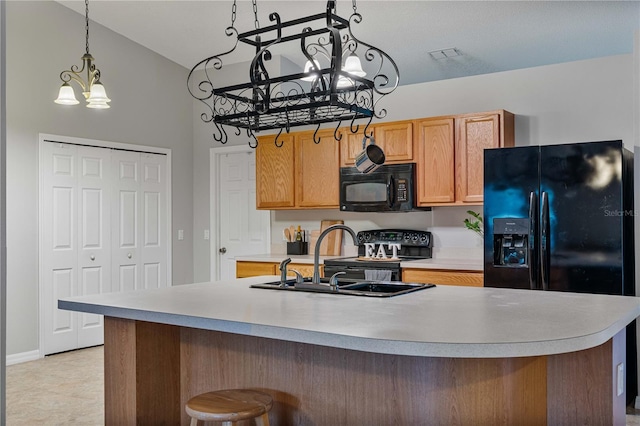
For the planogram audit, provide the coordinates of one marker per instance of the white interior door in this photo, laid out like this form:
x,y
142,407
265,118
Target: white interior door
x,y
126,221
104,226
75,252
154,226
94,239
140,221
242,230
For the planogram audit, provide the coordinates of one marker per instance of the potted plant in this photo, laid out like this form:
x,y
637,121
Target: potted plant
x,y
475,224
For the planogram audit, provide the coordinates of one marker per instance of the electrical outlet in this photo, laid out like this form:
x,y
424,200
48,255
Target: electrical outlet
x,y
206,234
620,378
180,234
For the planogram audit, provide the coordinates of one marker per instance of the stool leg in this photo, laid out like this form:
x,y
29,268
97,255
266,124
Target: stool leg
x,y
263,420
194,421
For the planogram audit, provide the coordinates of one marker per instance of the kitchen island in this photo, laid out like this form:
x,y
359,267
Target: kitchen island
x,y
446,355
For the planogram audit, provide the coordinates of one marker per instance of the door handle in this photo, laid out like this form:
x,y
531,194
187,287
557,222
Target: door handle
x,y
544,240
533,237
223,250
391,191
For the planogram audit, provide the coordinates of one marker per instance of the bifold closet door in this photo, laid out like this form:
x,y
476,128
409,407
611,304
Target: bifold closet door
x,y
76,249
139,221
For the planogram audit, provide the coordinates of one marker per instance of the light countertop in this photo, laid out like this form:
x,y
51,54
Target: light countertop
x,y
462,264
445,321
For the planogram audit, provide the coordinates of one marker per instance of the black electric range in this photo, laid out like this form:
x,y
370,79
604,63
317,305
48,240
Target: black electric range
x,y
380,253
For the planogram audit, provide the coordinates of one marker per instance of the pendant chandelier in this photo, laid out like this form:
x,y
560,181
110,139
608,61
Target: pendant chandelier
x,y
331,87
92,88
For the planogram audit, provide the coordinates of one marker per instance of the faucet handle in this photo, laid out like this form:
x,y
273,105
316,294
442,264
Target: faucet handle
x,y
333,281
299,279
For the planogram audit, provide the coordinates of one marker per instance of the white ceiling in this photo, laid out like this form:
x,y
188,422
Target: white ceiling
x,y
491,36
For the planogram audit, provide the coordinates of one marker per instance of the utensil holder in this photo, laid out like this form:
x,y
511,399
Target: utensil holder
x,y
297,247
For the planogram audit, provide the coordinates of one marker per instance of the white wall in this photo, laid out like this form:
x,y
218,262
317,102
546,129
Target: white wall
x,y
150,106
570,102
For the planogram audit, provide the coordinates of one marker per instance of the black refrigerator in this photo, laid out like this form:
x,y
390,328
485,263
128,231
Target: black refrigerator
x,y
560,217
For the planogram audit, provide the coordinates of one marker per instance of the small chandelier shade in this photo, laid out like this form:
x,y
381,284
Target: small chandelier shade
x,y
87,77
331,87
66,96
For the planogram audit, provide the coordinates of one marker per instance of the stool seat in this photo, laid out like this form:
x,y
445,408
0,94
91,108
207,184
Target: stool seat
x,y
230,406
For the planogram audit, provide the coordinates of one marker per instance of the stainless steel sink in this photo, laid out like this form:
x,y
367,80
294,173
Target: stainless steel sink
x,y
348,287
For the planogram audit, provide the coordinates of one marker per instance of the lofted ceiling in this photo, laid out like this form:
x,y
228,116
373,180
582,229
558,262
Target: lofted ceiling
x,y
490,36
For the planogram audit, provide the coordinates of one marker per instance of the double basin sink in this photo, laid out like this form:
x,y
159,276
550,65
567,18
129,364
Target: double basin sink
x,y
347,286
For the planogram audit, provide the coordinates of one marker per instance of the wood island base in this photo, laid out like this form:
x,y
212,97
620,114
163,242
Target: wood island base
x,y
152,369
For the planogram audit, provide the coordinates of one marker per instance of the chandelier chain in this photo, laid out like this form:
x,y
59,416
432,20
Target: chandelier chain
x,y
255,13
86,23
355,8
233,14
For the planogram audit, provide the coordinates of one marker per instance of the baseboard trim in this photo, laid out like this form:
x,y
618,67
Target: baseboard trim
x,y
636,405
23,357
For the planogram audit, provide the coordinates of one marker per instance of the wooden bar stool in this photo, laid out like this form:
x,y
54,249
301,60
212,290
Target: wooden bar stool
x,y
229,406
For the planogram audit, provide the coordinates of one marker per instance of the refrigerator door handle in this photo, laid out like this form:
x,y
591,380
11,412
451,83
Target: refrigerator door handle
x,y
533,221
544,240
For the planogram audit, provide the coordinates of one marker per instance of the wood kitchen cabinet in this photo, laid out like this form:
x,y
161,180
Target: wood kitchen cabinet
x,y
300,174
254,269
395,138
275,173
443,277
451,155
317,170
246,269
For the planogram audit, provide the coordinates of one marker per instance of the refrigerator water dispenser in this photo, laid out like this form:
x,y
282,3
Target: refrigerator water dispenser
x,y
511,242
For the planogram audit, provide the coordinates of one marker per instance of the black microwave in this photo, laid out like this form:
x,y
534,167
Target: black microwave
x,y
387,189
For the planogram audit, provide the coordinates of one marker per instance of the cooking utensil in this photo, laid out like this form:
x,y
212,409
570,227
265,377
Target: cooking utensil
x,y
292,233
287,234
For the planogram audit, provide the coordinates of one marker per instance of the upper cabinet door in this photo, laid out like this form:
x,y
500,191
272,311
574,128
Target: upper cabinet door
x,y
317,170
474,135
435,161
396,139
350,146
275,172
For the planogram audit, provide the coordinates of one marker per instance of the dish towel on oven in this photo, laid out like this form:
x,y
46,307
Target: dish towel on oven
x,y
377,275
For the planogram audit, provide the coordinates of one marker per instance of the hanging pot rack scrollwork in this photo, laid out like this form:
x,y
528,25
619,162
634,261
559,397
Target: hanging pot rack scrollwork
x,y
323,94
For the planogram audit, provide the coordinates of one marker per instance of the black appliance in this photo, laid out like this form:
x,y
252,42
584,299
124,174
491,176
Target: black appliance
x,y
413,245
387,189
560,217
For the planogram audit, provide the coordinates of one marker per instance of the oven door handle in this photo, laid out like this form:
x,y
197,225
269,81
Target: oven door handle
x,y
391,191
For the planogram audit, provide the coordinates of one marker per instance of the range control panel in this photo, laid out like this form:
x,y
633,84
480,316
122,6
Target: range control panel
x,y
404,237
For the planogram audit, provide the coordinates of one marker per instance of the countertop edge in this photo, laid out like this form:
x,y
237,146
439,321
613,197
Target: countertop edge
x,y
382,346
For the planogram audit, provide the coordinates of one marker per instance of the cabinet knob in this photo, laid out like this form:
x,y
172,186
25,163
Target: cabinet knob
x,y
129,255
92,257
223,250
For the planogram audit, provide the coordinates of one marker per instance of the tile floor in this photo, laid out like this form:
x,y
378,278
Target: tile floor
x,y
67,389
62,389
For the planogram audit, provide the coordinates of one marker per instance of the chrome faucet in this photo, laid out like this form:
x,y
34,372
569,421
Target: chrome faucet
x,y
316,253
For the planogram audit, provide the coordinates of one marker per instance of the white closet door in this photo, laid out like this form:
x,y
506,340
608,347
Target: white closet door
x,y
153,230
125,221
76,251
139,221
94,247
59,253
